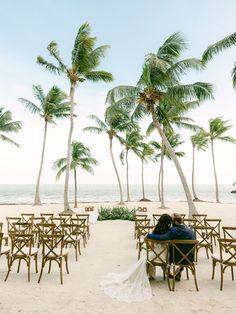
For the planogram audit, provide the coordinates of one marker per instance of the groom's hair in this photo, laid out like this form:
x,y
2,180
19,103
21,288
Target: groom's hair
x,y
177,219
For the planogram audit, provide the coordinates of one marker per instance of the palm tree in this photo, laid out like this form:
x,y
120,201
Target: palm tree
x,y
217,129
199,142
84,61
219,46
52,106
131,142
112,124
146,153
8,126
160,82
80,158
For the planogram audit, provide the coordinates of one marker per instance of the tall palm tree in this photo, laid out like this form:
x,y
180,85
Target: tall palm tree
x,y
131,142
199,142
85,59
51,106
219,46
80,158
111,125
146,153
160,82
217,129
8,126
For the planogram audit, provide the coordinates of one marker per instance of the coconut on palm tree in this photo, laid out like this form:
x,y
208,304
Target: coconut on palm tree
x,y
80,158
218,47
160,82
85,59
199,142
7,125
217,129
51,106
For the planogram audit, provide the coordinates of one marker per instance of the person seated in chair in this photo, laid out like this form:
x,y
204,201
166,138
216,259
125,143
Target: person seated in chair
x,y
178,231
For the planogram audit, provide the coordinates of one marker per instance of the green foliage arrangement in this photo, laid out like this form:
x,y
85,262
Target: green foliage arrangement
x,y
122,213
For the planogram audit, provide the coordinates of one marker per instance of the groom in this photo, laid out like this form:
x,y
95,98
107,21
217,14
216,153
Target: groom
x,y
178,231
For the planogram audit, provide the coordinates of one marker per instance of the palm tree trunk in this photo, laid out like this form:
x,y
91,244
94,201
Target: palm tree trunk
x,y
192,208
143,192
214,167
162,182
127,175
72,93
159,184
75,181
193,172
117,174
37,200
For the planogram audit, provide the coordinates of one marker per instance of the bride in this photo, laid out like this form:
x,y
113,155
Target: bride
x,y
133,285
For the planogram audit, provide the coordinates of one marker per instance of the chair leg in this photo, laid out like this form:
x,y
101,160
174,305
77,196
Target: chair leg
x,y
41,272
49,266
232,272
9,268
187,273
207,252
18,268
195,279
66,260
213,269
79,248
76,253
221,276
28,264
36,262
60,266
173,283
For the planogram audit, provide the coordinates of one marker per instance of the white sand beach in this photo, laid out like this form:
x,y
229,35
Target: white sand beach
x,y
111,248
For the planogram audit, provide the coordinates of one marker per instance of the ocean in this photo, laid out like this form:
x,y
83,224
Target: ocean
x,y
53,193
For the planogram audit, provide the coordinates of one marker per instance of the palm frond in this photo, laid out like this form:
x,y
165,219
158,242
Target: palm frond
x,y
31,106
8,140
172,47
48,65
96,76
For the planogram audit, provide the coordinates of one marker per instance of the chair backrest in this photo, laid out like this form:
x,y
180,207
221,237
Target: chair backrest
x,y
46,228
50,245
1,237
47,216
58,221
190,223
27,217
80,223
155,218
157,252
66,218
72,232
183,252
204,235
142,223
21,228
228,251
10,221
1,225
83,216
229,232
215,224
21,244
142,231
200,219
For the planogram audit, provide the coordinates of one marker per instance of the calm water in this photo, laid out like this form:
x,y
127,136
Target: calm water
x,y
53,193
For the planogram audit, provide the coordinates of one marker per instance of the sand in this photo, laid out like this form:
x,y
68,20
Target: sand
x,y
111,248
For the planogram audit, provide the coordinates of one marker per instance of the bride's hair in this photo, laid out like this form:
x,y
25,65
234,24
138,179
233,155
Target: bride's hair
x,y
163,225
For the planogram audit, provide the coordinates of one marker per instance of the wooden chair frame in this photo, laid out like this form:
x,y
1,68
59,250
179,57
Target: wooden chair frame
x,y
229,232
142,231
10,221
81,227
200,219
72,235
144,222
47,216
215,224
27,217
205,238
4,250
85,216
190,223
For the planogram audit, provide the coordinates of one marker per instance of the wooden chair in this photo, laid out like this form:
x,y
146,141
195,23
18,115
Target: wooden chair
x,y
27,217
86,217
184,255
10,221
215,224
199,219
229,232
44,229
205,238
4,238
158,258
72,235
4,249
58,221
226,258
142,231
66,218
47,217
35,231
21,227
155,218
190,223
140,220
81,227
53,251
22,249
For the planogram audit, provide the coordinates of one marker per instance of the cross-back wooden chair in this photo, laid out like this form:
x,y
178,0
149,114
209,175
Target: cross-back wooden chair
x,y
190,223
21,227
205,238
142,231
155,218
158,256
183,254
4,238
215,224
72,235
27,217
66,218
57,221
10,221
4,249
199,219
86,217
47,217
140,220
35,231
22,249
229,232
226,258
81,227
53,250
45,229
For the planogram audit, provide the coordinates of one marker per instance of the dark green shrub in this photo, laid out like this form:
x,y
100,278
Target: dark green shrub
x,y
117,212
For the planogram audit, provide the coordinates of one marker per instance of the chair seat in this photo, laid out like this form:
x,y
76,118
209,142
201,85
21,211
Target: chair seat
x,y
5,249
216,257
58,253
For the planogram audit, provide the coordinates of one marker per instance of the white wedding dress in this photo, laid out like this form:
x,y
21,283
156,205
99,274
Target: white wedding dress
x,y
130,286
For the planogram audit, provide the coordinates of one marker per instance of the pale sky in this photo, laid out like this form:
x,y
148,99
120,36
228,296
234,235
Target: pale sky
x,y
132,29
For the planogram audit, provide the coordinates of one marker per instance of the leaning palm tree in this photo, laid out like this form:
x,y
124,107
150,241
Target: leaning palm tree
x,y
219,46
80,158
160,82
217,129
85,59
8,126
51,106
131,142
199,142
111,125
